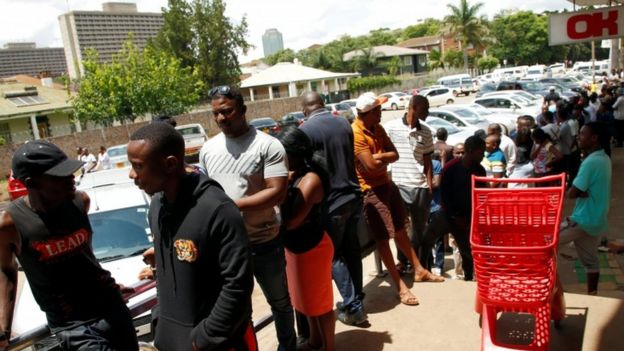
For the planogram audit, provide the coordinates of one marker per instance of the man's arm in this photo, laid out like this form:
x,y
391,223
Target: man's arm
x,y
9,244
233,305
273,195
428,170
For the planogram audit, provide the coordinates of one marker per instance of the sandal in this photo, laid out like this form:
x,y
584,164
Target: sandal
x,y
428,277
407,298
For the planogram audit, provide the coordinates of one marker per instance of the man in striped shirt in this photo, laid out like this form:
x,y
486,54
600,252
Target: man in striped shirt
x,y
412,172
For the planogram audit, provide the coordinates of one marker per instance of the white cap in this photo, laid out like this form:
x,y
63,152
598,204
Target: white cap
x,y
369,101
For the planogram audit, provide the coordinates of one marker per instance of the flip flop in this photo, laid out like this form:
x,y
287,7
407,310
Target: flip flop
x,y
428,277
407,298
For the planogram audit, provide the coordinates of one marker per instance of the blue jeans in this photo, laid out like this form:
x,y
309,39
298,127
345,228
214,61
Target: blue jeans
x,y
270,271
342,226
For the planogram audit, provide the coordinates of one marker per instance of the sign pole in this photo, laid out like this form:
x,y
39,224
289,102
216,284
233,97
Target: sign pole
x,y
593,46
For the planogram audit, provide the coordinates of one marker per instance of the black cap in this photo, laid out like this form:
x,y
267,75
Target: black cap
x,y
42,157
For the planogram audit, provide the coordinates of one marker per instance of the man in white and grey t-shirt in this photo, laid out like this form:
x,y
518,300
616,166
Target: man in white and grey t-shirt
x,y
412,172
251,167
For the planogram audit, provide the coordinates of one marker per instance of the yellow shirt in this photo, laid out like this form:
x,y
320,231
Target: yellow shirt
x,y
374,141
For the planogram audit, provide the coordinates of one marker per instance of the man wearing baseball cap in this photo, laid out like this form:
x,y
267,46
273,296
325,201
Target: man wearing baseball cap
x,y
49,232
384,210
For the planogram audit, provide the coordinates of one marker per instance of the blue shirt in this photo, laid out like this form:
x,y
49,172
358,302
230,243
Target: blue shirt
x,y
436,198
494,162
594,177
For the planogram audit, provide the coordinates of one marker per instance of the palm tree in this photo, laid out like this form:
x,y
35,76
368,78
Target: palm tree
x,y
436,60
466,26
366,59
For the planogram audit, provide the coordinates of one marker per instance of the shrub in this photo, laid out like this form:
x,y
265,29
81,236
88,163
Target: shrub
x,y
370,83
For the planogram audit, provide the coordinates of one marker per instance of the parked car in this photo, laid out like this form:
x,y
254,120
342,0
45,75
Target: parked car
x,y
341,110
15,188
194,138
351,103
396,100
292,119
118,156
509,104
506,120
536,72
121,233
533,98
456,135
265,124
438,96
486,88
460,117
566,82
458,83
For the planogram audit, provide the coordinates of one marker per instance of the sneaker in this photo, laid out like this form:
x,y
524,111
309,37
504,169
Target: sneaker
x,y
356,318
340,306
436,271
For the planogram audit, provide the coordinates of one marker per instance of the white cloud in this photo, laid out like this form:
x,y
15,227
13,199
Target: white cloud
x,y
302,23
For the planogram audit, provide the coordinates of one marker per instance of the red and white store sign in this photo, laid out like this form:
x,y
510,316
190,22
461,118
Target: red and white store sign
x,y
574,27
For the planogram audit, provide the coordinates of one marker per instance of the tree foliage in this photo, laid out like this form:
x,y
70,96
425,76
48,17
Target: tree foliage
x,y
453,58
465,25
487,63
436,60
286,55
133,84
201,36
429,26
369,83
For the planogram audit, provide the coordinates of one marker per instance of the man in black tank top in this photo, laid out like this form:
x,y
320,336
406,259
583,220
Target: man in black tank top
x,y
49,232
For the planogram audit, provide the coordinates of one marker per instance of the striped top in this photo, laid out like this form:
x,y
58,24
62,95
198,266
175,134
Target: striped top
x,y
412,145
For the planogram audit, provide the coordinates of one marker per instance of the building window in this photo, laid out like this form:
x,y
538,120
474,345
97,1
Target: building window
x,y
5,133
43,125
276,92
407,60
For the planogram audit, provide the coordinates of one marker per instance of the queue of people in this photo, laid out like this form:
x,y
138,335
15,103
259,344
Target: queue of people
x,y
285,211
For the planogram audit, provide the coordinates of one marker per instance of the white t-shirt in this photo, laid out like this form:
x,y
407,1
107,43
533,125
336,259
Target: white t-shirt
x,y
89,160
412,145
508,147
241,165
104,160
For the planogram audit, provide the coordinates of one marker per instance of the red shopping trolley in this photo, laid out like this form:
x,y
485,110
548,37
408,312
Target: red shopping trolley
x,y
514,235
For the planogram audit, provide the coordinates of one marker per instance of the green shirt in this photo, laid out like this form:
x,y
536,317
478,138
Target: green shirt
x,y
594,177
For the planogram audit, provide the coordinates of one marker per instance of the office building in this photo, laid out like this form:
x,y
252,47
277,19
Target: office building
x,y
27,59
272,41
105,31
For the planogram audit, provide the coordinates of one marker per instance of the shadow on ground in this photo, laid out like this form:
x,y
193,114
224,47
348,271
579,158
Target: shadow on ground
x,y
362,340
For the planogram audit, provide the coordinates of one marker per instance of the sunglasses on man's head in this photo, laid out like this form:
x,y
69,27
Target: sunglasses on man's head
x,y
224,90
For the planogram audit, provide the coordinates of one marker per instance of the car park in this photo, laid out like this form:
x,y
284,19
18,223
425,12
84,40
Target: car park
x,y
396,100
341,110
438,96
557,68
194,138
460,117
566,82
351,103
460,84
118,156
506,120
265,124
292,119
456,135
509,104
533,98
119,219
535,72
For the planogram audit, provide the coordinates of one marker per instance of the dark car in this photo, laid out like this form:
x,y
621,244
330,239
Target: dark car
x,y
292,119
486,88
16,188
341,109
265,124
565,82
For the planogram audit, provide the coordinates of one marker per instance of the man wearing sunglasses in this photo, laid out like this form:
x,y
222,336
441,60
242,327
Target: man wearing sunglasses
x,y
251,167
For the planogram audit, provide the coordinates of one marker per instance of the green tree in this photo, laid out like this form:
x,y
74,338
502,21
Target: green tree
x,y
436,60
465,26
453,58
429,26
393,66
133,84
286,55
202,36
382,36
487,63
366,60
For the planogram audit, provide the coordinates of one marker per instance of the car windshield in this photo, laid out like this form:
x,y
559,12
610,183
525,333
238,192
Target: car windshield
x,y
520,100
117,151
262,123
482,111
189,130
120,233
469,116
342,107
439,123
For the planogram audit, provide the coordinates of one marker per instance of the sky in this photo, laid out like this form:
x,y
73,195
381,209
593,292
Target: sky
x,y
302,23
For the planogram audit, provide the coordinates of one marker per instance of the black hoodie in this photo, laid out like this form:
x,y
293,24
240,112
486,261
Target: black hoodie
x,y
204,272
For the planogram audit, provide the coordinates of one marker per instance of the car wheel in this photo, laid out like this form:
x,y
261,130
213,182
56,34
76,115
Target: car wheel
x,y
467,93
394,107
449,101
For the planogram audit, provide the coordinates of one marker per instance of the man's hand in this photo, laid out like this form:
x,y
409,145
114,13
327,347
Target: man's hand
x,y
146,273
149,257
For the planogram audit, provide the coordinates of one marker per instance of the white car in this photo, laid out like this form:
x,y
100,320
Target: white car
x,y
438,96
460,118
455,135
351,103
121,233
533,98
507,120
118,156
194,138
396,100
509,104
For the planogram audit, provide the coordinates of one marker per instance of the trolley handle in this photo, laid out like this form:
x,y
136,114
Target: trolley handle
x,y
560,177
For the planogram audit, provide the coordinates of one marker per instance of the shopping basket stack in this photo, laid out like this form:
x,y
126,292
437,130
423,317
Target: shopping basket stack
x,y
514,235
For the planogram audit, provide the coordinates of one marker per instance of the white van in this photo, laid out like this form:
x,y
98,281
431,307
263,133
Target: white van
x,y
459,84
536,72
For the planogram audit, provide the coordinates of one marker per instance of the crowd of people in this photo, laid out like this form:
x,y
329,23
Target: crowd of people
x,y
285,211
